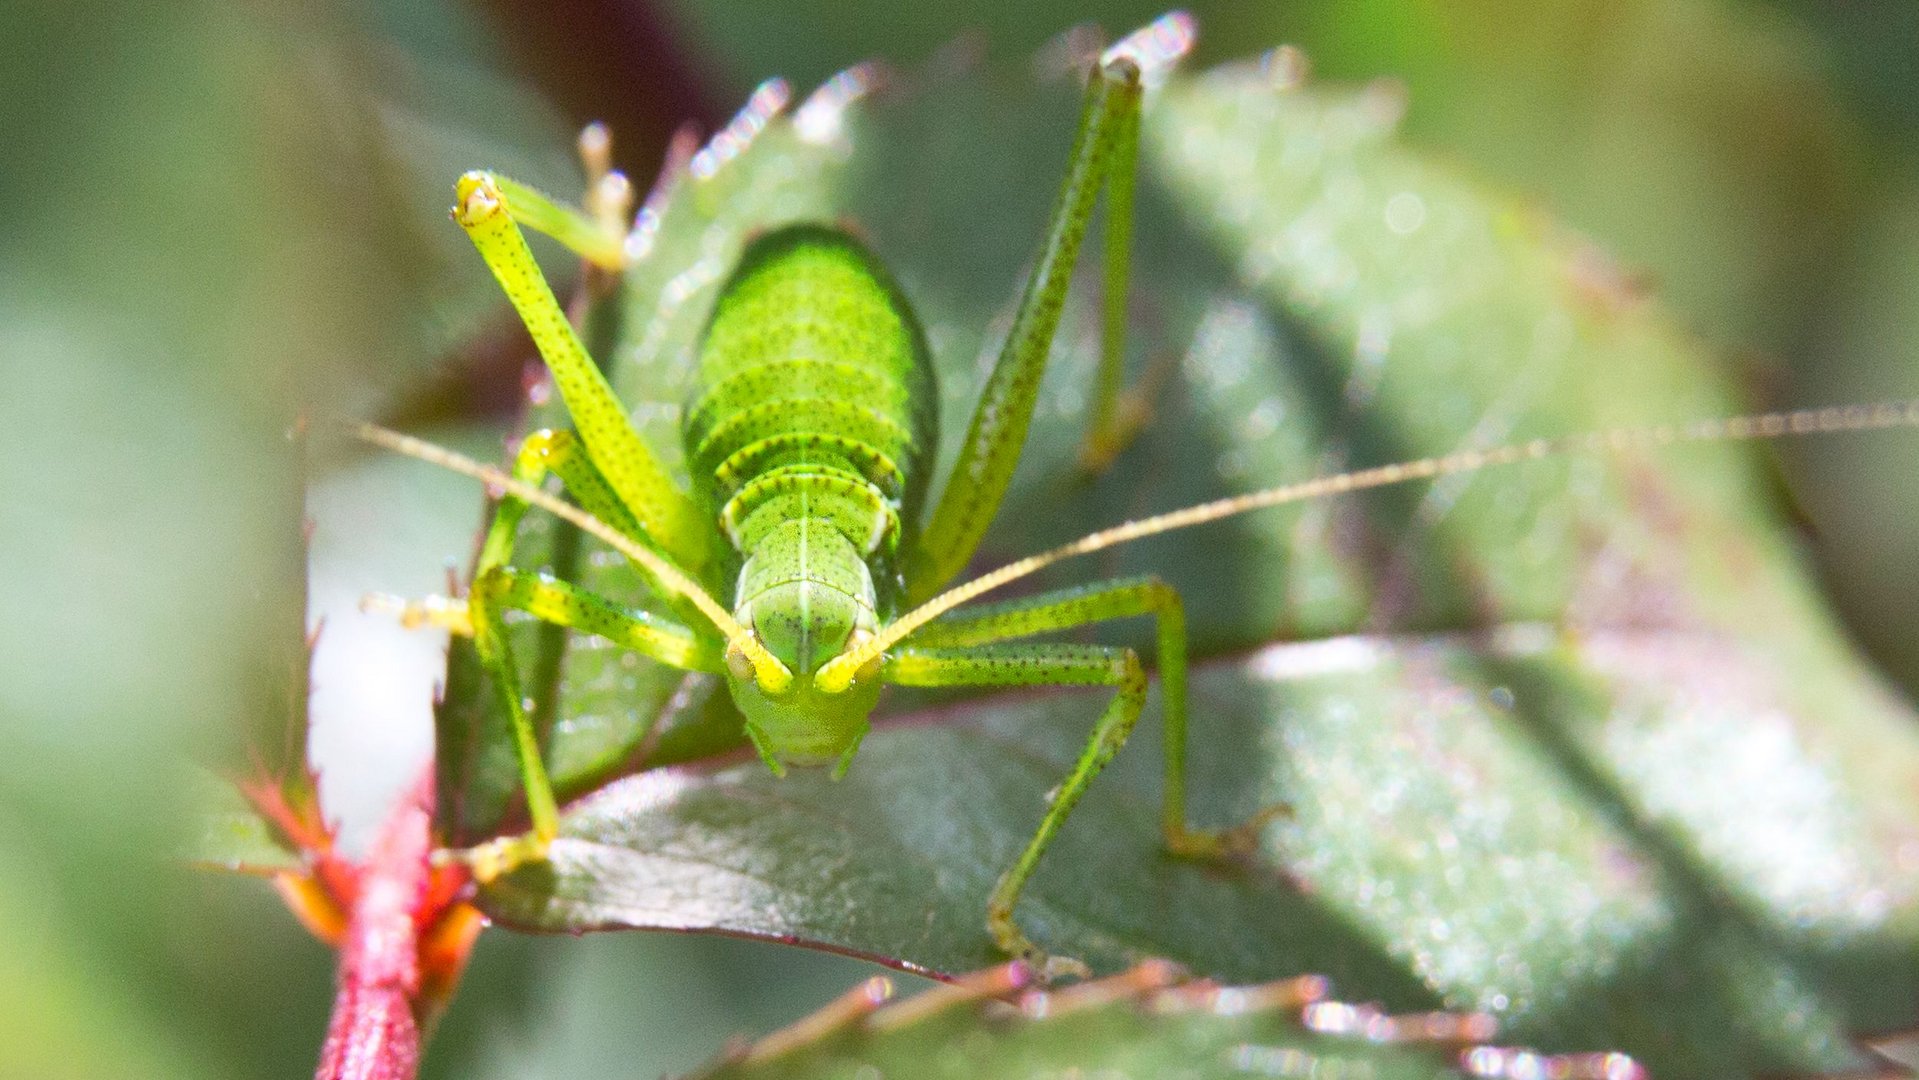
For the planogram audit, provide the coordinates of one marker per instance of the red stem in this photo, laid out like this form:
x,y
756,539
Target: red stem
x,y
375,1033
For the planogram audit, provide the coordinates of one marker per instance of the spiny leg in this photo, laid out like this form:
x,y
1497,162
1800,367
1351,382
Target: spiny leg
x,y
592,236
540,453
1116,417
497,587
1105,147
504,588
1081,605
561,453
489,209
1041,664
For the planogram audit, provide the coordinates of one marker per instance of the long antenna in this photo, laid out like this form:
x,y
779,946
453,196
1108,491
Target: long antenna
x,y
837,673
767,669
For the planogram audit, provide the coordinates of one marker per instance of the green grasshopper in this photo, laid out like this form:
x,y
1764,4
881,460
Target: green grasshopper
x,y
808,437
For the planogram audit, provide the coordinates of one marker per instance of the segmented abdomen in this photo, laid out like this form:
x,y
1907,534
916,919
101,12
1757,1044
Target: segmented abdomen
x,y
815,398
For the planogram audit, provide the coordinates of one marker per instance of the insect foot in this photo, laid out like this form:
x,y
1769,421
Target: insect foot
x,y
1236,844
1130,415
1014,942
444,612
498,857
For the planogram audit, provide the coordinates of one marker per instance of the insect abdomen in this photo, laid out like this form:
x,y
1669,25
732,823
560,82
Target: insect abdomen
x,y
815,397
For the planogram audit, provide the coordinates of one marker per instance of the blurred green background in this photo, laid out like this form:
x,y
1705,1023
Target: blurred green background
x,y
217,212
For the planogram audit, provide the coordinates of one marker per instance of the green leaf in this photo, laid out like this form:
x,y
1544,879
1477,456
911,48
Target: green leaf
x,y
1575,742
233,836
1143,1023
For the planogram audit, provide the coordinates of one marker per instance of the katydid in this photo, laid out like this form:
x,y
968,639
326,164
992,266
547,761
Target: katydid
x,y
802,562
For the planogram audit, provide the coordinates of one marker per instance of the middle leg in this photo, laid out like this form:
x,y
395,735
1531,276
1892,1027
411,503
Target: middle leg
x,y
1042,664
968,649
498,587
1082,605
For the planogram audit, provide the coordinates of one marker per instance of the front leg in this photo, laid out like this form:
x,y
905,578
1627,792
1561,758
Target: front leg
x,y
1105,601
498,587
491,211
542,453
501,589
1037,665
